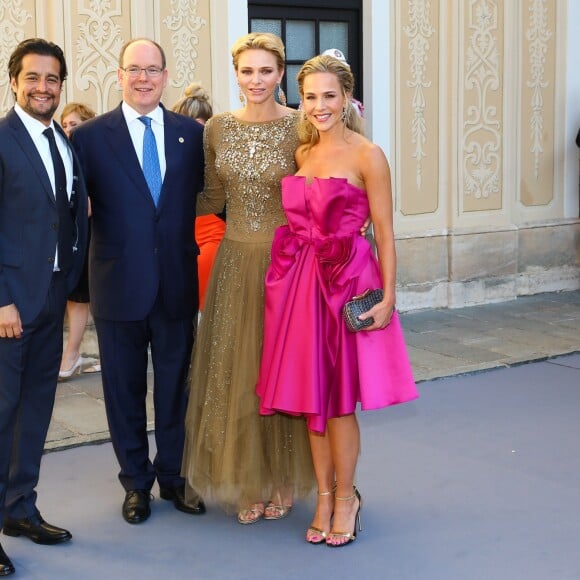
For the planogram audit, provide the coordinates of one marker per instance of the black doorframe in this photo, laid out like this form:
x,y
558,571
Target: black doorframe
x,y
349,11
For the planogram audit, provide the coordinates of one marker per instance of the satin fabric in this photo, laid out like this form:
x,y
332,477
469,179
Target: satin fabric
x,y
311,364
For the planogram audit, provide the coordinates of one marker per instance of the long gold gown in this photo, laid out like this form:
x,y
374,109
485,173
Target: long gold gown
x,y
232,454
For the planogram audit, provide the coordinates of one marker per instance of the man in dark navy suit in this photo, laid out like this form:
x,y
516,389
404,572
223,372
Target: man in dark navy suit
x,y
43,224
144,167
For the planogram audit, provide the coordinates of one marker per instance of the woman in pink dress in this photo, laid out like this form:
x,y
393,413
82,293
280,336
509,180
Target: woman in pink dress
x,y
312,365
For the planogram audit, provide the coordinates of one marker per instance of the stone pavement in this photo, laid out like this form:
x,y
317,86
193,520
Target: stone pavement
x,y
441,343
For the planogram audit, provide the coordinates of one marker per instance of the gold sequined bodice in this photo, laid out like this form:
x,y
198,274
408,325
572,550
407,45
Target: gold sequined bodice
x,y
244,165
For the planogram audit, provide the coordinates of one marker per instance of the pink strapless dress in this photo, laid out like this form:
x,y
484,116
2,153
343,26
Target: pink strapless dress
x,y
311,364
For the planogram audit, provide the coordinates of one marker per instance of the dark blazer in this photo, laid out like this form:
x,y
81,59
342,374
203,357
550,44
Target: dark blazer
x,y
29,221
138,249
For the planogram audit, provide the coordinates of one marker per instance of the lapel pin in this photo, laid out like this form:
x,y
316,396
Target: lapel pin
x,y
181,139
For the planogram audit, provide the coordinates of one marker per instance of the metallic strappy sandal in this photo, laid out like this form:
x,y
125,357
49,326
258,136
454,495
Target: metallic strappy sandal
x,y
251,515
350,536
313,531
276,512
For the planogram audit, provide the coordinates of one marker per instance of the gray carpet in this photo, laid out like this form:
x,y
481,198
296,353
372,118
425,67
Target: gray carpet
x,y
478,479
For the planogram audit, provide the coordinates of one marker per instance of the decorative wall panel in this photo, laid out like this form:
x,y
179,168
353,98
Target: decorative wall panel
x,y
417,103
99,29
481,106
181,32
97,34
17,22
537,104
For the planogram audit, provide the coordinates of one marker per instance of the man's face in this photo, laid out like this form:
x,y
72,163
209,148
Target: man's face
x,y
38,86
141,89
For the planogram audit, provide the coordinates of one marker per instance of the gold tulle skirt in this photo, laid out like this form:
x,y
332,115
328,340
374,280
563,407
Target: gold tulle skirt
x,y
232,454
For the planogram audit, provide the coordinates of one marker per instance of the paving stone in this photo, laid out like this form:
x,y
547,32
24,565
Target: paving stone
x,y
58,432
433,360
453,348
441,343
80,413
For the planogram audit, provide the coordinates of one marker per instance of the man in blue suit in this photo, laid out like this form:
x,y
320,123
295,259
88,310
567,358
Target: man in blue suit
x,y
144,167
43,225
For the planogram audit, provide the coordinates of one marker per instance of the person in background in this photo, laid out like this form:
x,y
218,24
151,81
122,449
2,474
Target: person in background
x,y
360,110
209,229
73,114
143,166
338,54
312,365
43,230
249,464
77,306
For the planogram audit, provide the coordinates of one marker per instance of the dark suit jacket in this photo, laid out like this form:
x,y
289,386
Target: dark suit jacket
x,y
29,220
138,250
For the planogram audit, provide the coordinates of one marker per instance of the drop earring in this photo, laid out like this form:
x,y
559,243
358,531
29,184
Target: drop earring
x,y
242,97
281,95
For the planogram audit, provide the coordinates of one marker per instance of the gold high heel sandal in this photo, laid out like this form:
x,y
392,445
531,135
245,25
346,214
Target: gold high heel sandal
x,y
350,536
276,511
251,515
318,536
276,508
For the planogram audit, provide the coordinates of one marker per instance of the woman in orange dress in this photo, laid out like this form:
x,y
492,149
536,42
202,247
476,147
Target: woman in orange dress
x,y
209,229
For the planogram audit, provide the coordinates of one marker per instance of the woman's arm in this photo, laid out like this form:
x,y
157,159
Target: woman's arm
x,y
213,197
377,178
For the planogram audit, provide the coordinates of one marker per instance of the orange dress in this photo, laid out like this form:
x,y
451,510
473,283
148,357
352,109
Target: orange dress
x,y
209,231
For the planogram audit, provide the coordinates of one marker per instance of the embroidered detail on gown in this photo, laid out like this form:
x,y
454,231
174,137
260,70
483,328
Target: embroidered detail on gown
x,y
232,454
311,364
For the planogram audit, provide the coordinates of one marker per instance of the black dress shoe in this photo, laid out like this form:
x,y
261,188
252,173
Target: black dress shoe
x,y
136,507
177,496
6,567
37,530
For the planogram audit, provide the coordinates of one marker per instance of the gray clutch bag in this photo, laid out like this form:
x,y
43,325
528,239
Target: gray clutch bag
x,y
359,304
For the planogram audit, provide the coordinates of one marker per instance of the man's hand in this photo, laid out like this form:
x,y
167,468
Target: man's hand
x,y
10,324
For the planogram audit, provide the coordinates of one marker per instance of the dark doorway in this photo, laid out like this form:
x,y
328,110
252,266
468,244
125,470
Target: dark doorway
x,y
308,28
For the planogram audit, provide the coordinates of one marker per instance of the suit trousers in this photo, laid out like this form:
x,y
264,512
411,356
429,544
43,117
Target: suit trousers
x,y
124,351
28,377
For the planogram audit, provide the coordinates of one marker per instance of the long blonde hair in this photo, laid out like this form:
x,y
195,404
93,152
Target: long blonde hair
x,y
194,103
323,63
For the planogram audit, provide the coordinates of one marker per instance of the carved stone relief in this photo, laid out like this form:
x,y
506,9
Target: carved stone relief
x,y
183,25
97,42
537,102
417,104
482,114
101,28
17,23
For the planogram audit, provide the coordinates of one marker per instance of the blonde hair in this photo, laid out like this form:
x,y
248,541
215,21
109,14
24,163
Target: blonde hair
x,y
195,103
82,110
323,63
261,41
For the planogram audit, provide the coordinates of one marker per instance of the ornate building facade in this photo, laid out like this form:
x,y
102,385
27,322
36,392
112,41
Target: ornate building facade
x,y
476,102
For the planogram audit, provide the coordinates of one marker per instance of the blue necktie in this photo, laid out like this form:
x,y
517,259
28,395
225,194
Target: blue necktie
x,y
151,168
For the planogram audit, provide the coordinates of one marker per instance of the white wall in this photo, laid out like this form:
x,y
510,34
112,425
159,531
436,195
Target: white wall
x,y
229,21
378,71
572,108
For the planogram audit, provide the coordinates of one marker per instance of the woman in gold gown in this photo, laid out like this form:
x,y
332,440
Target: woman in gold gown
x,y
247,463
